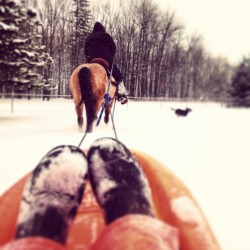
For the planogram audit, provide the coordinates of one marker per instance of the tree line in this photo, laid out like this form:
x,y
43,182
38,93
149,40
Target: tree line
x,y
155,55
158,59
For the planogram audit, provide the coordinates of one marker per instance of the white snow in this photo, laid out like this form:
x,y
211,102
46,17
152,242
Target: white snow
x,y
18,40
186,211
104,183
28,53
7,27
208,150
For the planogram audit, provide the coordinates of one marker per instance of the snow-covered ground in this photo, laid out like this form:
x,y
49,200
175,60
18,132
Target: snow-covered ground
x,y
208,150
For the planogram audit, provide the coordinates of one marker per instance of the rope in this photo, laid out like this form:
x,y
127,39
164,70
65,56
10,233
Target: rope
x,y
113,114
112,119
82,139
107,98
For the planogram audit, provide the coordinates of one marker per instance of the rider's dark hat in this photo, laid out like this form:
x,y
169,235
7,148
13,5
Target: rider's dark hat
x,y
98,27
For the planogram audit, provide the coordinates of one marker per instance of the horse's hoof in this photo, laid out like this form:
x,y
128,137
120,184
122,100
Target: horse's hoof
x,y
80,122
89,130
106,119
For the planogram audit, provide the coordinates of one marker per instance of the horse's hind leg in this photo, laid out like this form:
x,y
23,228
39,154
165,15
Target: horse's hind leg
x,y
79,112
90,113
80,122
107,113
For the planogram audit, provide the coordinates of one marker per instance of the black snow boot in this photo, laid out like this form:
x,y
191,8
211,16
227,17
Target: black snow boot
x,y
52,194
122,93
117,180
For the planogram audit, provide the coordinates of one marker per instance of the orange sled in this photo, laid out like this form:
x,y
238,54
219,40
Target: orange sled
x,y
172,201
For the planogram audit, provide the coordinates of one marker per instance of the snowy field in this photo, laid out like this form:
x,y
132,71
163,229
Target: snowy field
x,y
208,150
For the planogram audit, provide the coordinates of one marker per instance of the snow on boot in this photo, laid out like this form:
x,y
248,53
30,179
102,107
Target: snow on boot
x,y
122,93
52,194
117,180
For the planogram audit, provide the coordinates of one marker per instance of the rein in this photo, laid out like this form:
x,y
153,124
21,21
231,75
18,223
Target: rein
x,y
107,98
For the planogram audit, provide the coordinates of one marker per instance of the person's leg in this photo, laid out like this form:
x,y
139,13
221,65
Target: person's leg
x,y
117,180
122,190
33,243
135,232
122,93
116,73
52,195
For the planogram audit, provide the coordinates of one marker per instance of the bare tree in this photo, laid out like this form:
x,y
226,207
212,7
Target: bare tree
x,y
155,57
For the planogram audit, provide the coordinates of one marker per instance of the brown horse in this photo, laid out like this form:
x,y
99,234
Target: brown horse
x,y
88,85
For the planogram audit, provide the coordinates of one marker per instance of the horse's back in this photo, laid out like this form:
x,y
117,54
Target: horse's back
x,y
101,80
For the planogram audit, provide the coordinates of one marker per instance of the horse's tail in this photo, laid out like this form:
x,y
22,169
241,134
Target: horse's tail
x,y
85,84
87,95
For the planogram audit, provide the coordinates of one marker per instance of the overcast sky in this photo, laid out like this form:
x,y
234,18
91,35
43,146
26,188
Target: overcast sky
x,y
224,24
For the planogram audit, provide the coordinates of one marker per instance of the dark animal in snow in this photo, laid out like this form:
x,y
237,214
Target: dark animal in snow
x,y
182,112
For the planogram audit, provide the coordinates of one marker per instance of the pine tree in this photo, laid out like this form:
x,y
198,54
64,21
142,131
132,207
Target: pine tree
x,y
82,21
240,88
22,56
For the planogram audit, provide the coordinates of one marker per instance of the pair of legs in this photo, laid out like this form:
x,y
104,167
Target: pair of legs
x,y
54,192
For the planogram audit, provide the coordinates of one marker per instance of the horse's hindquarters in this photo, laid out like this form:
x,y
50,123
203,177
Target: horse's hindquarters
x,y
88,85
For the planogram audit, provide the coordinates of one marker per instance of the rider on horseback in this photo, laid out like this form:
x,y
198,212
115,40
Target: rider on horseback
x,y
99,44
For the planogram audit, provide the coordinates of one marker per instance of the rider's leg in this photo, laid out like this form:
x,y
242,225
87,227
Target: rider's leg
x,y
122,190
117,180
52,195
122,92
137,231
